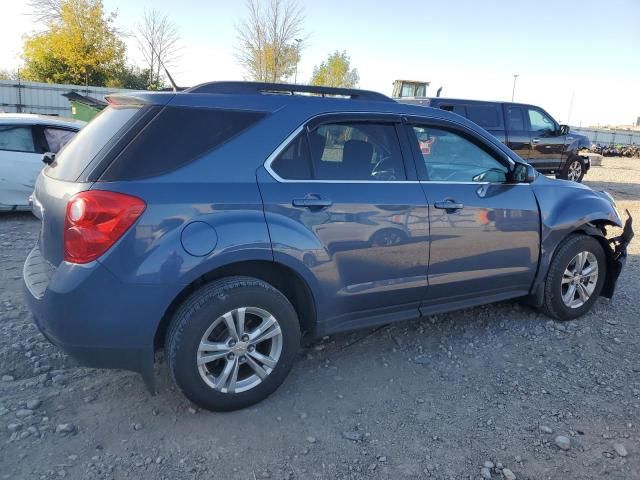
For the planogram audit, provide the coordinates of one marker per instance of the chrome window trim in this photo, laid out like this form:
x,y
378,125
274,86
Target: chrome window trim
x,y
287,141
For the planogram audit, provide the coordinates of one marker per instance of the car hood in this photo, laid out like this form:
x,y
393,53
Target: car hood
x,y
580,139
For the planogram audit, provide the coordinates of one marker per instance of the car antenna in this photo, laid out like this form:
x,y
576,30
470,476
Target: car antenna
x,y
173,84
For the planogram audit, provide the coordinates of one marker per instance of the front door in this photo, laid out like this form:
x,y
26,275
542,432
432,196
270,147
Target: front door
x,y
547,144
342,209
484,231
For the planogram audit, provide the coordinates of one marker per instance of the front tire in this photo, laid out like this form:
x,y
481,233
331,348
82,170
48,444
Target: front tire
x,y
575,278
232,343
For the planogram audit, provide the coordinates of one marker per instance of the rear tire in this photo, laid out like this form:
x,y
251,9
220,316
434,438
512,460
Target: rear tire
x,y
221,332
575,278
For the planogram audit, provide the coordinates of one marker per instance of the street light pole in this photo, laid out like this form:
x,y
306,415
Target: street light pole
x,y
513,92
298,40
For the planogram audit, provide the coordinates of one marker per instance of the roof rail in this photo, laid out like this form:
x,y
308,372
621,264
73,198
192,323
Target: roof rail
x,y
253,88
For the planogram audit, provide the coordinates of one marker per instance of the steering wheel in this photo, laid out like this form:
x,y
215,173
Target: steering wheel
x,y
379,170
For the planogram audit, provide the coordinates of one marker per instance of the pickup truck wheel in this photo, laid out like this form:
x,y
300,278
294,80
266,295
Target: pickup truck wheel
x,y
573,170
232,343
575,278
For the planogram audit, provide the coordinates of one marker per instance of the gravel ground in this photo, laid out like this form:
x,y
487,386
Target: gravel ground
x,y
497,392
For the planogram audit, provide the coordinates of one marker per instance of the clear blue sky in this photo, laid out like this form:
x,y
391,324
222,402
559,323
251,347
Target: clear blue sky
x,y
586,49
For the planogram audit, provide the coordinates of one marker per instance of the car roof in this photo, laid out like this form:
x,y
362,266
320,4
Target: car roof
x,y
470,101
361,101
36,119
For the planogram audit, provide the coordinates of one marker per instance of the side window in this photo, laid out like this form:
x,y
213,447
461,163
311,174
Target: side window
x,y
294,163
459,109
356,151
485,116
57,138
450,157
16,138
515,119
540,122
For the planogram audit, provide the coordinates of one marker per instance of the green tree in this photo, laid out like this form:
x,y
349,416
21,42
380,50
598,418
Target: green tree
x,y
80,45
336,71
131,77
270,40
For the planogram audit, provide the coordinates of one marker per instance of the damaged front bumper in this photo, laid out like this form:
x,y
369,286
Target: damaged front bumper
x,y
618,256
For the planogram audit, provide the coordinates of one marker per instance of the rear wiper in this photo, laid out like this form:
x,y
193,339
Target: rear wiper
x,y
48,157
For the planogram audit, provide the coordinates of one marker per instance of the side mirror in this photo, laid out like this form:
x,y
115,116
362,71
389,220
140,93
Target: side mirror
x,y
48,157
524,173
564,130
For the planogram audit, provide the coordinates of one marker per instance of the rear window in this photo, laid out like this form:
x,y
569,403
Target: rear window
x,y
76,155
175,137
485,116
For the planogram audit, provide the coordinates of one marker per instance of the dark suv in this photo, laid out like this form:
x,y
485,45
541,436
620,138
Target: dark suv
x,y
527,130
223,222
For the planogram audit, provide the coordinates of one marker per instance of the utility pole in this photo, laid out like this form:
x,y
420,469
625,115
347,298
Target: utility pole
x,y
513,92
298,41
573,94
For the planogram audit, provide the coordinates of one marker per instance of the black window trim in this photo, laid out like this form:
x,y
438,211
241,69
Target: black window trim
x,y
457,129
346,117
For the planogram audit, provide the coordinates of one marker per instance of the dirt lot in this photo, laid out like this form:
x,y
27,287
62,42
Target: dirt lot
x,y
432,398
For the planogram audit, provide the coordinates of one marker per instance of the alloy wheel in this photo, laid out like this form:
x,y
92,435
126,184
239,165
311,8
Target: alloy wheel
x,y
575,170
239,350
579,279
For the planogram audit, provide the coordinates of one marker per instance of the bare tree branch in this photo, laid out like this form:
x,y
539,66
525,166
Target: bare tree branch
x,y
270,40
159,43
46,11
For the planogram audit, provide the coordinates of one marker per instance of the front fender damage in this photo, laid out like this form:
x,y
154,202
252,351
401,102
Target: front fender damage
x,y
617,256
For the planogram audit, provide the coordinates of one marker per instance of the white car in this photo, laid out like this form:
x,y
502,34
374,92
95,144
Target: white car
x,y
24,138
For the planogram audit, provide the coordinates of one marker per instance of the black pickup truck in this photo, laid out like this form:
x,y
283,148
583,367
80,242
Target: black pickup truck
x,y
527,130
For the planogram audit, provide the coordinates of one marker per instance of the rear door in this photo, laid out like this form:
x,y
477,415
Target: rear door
x,y
518,137
547,144
484,231
20,163
343,207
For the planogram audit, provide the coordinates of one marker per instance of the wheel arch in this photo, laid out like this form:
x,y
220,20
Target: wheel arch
x,y
595,228
280,276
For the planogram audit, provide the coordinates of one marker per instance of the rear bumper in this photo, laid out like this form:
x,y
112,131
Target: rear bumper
x,y
94,317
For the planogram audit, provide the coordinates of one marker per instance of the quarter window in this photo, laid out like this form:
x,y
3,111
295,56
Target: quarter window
x,y
450,157
16,138
57,138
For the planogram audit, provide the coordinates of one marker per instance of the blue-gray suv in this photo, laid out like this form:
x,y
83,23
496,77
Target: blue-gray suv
x,y
223,222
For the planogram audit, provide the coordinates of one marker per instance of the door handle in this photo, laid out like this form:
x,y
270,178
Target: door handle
x,y
448,205
310,202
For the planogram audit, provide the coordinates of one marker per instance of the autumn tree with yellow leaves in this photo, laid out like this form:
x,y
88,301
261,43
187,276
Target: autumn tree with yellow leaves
x,y
80,45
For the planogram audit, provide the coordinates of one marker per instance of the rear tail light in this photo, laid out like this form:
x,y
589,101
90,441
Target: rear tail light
x,y
95,220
